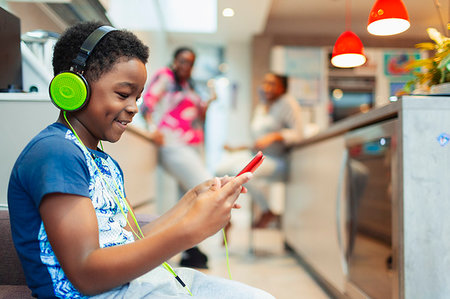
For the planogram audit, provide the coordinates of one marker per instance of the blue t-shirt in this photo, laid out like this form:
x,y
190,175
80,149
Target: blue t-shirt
x,y
55,162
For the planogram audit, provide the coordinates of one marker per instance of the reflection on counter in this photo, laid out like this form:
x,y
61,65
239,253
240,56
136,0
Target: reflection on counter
x,y
344,104
369,250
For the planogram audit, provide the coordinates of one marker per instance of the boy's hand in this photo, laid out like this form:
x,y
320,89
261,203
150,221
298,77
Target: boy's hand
x,y
212,184
208,206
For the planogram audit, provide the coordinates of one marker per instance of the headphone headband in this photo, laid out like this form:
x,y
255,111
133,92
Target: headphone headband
x,y
88,45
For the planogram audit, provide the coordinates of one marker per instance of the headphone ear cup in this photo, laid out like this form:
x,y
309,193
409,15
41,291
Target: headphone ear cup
x,y
69,91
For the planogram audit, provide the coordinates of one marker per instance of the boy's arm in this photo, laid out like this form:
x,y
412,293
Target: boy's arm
x,y
72,229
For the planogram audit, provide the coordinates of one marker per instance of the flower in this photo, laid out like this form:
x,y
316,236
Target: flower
x,y
436,36
436,68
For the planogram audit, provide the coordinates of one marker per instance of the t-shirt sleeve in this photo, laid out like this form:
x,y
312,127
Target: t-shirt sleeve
x,y
291,114
55,165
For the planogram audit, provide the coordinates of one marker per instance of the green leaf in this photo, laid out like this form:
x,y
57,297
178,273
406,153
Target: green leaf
x,y
426,46
426,62
444,62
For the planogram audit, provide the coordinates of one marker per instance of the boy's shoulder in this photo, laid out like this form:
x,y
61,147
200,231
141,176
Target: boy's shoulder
x,y
50,162
54,140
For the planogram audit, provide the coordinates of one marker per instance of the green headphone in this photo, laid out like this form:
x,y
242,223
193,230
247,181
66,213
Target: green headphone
x,y
69,90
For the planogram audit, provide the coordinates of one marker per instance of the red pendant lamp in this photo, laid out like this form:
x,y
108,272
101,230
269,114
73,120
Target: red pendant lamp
x,y
388,17
348,51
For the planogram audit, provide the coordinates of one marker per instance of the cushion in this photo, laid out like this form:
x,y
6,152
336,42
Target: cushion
x,y
14,291
11,272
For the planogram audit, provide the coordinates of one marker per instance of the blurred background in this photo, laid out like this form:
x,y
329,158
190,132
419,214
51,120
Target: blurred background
x,y
236,43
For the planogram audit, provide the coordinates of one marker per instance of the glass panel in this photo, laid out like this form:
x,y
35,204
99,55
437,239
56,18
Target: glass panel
x,y
370,217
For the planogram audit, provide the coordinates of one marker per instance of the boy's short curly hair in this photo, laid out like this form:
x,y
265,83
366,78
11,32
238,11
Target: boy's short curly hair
x,y
111,48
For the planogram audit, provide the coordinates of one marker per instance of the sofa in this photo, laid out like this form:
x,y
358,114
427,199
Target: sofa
x,y
12,279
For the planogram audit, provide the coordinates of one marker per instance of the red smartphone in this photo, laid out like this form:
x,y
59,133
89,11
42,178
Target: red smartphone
x,y
253,164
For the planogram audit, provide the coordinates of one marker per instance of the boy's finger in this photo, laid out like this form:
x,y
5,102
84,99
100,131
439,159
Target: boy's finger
x,y
205,186
235,185
225,179
216,185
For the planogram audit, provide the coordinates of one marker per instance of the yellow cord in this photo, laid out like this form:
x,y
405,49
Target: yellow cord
x,y
226,253
165,264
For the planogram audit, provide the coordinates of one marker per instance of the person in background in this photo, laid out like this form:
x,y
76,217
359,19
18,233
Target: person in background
x,y
275,126
70,221
175,114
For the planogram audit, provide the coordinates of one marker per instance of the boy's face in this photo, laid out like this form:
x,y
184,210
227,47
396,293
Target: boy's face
x,y
112,103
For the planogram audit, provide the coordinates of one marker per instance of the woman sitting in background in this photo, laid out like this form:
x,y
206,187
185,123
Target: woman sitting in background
x,y
276,125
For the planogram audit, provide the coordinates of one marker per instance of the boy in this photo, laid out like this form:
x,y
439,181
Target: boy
x,y
71,224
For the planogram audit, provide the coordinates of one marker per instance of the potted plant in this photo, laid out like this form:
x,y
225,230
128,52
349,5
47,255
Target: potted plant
x,y
435,70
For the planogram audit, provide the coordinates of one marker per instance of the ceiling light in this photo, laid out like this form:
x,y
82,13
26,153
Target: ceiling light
x,y
338,94
388,17
348,51
228,12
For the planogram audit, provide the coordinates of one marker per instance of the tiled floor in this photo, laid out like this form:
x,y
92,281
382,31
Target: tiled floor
x,y
269,267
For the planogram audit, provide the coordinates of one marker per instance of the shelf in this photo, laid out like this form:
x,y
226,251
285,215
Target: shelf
x,y
23,96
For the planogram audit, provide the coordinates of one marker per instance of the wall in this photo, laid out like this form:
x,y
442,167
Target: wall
x,y
262,46
25,115
35,16
158,46
234,128
21,120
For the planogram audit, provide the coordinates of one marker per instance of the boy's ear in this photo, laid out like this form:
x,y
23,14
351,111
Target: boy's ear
x,y
69,90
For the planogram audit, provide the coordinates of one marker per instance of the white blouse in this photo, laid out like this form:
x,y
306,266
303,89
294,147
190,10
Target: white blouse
x,y
283,116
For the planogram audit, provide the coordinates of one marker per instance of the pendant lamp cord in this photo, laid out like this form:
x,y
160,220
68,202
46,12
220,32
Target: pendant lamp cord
x,y
348,16
438,8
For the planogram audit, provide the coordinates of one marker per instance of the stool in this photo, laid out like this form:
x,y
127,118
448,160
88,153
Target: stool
x,y
277,197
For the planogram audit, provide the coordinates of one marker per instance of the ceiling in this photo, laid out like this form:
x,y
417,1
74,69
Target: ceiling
x,y
321,21
300,22
327,18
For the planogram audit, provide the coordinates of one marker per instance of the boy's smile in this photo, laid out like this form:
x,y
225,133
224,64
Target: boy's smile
x,y
112,104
